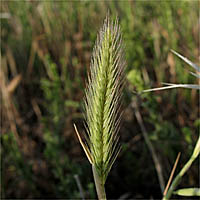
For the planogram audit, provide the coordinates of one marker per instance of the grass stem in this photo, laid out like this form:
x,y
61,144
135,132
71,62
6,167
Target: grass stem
x,y
149,145
172,174
183,171
99,185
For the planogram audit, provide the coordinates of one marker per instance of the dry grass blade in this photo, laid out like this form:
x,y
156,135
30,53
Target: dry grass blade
x,y
172,174
171,85
85,148
196,75
14,83
196,67
189,86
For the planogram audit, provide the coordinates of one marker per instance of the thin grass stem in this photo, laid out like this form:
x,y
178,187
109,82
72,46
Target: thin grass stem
x,y
172,174
183,171
150,146
99,185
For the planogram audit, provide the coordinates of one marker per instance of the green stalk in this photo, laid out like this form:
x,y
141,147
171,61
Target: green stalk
x,y
183,171
99,185
196,151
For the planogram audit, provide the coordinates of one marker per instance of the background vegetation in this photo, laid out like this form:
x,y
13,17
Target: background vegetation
x,y
45,54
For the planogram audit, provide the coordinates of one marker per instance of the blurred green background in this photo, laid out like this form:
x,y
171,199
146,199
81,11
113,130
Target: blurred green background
x,y
45,55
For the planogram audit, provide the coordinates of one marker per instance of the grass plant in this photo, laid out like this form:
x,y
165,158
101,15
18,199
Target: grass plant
x,y
196,152
189,86
48,44
179,176
102,103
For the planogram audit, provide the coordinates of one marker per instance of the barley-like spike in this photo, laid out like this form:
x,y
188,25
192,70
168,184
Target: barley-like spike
x,y
102,98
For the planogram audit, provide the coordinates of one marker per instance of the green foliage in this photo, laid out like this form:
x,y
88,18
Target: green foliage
x,y
14,163
62,169
50,43
197,123
135,78
188,192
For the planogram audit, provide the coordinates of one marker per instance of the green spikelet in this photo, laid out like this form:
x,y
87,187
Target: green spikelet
x,y
103,93
102,102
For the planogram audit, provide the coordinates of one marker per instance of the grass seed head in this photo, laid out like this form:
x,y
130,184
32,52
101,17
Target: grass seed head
x,y
102,97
